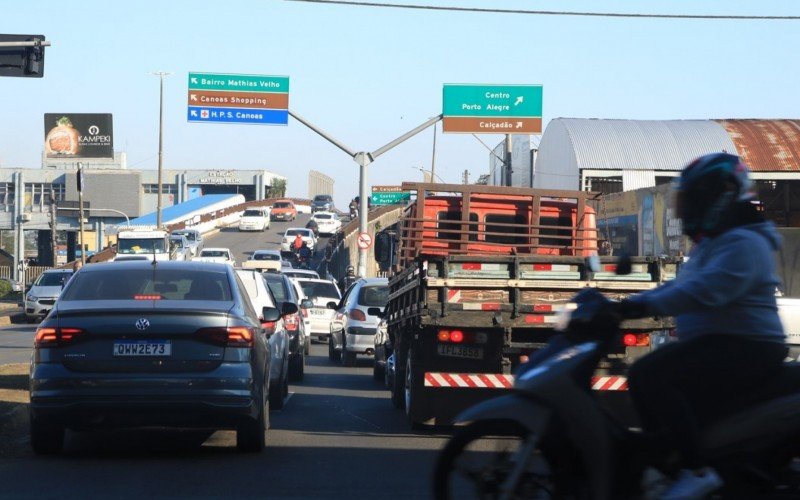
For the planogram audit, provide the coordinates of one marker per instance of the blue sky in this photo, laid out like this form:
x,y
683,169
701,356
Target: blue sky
x,y
367,75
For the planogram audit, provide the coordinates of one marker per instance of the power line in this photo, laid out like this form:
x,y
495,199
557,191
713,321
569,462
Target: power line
x,y
552,12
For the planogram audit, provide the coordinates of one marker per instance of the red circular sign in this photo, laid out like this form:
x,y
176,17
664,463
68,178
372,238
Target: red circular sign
x,y
364,241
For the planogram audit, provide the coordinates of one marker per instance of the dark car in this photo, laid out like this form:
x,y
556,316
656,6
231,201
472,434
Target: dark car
x,y
284,292
322,202
143,344
312,225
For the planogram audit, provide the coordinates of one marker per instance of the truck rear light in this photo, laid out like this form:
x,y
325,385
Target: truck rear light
x,y
542,308
51,337
542,267
231,336
459,336
471,266
636,340
456,336
147,297
610,268
357,315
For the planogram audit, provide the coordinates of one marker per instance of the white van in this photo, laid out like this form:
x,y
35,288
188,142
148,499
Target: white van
x,y
255,219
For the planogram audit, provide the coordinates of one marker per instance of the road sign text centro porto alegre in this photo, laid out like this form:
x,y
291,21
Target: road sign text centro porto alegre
x,y
227,98
389,195
492,109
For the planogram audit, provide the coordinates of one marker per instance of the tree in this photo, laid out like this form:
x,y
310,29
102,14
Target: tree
x,y
277,189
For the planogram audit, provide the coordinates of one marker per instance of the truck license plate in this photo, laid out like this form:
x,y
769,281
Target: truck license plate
x,y
460,351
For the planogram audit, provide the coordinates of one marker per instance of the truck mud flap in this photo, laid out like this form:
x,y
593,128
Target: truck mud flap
x,y
527,412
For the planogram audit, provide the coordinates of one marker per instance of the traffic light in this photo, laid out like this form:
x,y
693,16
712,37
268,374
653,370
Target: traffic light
x,y
22,55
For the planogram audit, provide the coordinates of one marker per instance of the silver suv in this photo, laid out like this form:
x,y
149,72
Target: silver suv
x,y
355,322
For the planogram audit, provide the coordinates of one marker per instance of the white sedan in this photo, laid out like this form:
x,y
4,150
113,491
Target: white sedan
x,y
306,234
327,222
223,255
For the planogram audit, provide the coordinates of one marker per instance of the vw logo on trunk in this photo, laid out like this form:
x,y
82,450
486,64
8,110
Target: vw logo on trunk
x,y
142,324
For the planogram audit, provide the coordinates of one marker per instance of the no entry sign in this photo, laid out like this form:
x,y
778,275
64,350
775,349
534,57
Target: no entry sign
x,y
364,241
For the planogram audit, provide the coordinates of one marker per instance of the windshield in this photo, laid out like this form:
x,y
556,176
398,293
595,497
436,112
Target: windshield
x,y
322,198
266,256
295,232
214,253
319,289
191,236
141,245
52,279
253,213
323,216
146,284
281,205
374,296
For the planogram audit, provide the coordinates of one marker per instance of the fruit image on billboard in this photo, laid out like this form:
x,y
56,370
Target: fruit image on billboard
x,y
78,135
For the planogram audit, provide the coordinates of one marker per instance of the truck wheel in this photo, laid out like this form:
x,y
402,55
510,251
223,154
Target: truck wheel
x,y
411,392
333,354
398,385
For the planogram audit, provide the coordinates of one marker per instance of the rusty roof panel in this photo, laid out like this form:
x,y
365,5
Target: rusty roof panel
x,y
766,145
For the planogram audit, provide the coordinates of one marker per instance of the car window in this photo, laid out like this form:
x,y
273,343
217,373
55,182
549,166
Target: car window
x,y
214,253
146,284
52,279
373,296
266,256
253,213
323,216
278,288
282,205
319,289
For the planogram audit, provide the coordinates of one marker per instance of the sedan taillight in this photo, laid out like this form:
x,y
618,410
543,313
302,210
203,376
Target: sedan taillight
x,y
51,337
357,315
231,336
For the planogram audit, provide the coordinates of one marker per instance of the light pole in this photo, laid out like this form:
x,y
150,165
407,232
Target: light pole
x,y
160,75
433,175
433,156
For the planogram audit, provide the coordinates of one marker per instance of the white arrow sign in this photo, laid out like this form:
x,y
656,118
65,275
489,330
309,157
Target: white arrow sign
x,y
192,97
194,80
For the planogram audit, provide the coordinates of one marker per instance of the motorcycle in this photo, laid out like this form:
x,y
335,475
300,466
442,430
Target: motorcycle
x,y
550,438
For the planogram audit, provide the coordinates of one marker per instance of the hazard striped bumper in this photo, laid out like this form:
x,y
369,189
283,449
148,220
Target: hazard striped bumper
x,y
500,381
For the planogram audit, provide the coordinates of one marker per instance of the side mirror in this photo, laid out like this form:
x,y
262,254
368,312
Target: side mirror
x,y
270,314
306,303
288,308
375,311
332,305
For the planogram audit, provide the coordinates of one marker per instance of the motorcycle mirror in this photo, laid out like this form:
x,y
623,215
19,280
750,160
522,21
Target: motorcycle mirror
x,y
624,264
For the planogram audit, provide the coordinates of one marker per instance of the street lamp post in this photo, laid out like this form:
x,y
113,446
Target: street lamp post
x,y
160,75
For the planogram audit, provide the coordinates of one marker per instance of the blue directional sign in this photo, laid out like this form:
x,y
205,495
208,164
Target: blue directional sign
x,y
238,115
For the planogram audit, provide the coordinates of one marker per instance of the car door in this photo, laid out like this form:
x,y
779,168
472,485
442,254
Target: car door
x,y
339,321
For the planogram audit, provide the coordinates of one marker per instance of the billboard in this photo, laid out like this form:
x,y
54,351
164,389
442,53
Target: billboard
x,y
78,135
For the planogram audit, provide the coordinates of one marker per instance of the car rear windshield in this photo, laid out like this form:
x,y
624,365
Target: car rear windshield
x,y
149,284
189,235
52,279
214,253
141,245
319,289
323,216
295,232
266,256
253,213
374,296
281,205
322,197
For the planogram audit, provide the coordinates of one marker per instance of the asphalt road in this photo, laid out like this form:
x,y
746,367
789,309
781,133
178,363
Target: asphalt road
x,y
337,437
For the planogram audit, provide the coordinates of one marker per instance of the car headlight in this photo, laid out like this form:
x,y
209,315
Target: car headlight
x,y
32,298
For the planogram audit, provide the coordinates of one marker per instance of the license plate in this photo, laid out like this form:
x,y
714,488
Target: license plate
x,y
460,351
318,312
143,348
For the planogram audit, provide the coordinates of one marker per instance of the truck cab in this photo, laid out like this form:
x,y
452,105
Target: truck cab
x,y
145,241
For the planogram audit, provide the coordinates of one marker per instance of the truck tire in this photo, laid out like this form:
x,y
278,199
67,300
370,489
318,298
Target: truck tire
x,y
412,388
398,384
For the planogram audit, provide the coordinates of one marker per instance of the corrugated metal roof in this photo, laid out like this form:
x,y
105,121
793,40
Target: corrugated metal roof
x,y
637,144
766,145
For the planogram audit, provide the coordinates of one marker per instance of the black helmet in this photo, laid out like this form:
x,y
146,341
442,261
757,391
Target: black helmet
x,y
351,269
707,190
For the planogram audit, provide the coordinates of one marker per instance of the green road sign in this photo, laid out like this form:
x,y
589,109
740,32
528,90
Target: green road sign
x,y
394,198
497,101
248,83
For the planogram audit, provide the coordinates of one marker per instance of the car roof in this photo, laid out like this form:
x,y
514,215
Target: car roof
x,y
298,228
374,281
58,271
284,200
314,280
274,252
216,249
189,265
324,212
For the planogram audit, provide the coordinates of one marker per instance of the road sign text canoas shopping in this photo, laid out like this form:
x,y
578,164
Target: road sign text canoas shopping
x,y
232,98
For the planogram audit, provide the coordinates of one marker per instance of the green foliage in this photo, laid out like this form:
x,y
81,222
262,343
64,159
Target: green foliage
x,y
5,288
277,189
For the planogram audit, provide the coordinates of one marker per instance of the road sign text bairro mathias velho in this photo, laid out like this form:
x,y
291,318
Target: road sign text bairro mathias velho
x,y
233,98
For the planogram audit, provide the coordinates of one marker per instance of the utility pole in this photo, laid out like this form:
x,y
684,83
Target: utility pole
x,y
466,177
80,210
433,156
160,75
509,170
53,228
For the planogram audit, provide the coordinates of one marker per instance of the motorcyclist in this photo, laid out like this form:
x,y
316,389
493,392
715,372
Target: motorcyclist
x,y
730,337
297,244
349,278
353,208
304,253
